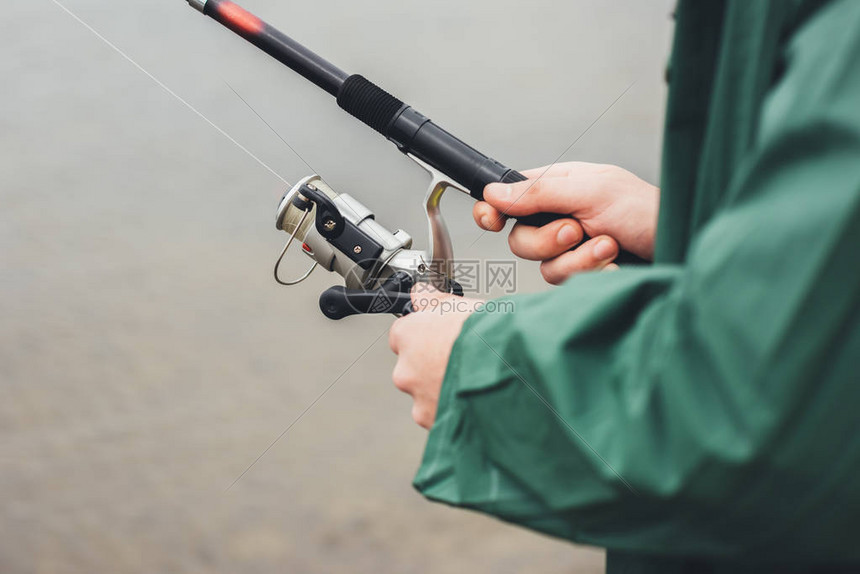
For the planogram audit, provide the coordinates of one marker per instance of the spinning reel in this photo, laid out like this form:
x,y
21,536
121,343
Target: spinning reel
x,y
379,267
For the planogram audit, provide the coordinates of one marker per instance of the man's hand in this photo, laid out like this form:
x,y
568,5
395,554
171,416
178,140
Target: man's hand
x,y
608,203
423,343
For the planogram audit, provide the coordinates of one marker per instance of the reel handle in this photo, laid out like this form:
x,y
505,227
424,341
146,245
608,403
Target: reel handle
x,y
394,296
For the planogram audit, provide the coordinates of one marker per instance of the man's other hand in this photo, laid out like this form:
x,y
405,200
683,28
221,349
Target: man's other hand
x,y
422,342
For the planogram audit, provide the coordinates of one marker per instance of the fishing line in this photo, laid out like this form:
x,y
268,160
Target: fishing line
x,y
169,91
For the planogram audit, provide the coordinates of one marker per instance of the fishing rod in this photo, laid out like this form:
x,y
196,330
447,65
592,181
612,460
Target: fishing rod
x,y
349,240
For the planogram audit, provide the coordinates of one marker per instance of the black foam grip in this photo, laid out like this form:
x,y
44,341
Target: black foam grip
x,y
368,102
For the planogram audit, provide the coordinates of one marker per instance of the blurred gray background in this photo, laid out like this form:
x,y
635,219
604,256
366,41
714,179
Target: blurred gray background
x,y
146,356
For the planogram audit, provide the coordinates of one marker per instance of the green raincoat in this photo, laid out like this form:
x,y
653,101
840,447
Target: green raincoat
x,y
703,414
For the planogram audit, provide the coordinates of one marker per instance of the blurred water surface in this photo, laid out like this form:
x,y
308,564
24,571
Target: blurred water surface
x,y
146,356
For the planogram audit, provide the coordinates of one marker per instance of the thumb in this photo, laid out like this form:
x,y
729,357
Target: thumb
x,y
549,195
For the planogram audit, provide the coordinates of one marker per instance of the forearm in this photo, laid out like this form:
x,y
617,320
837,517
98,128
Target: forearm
x,y
679,408
608,413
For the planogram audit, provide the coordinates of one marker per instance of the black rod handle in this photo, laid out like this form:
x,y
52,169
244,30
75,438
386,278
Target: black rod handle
x,y
415,134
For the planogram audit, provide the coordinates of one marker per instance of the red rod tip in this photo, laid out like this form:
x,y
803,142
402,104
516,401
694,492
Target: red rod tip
x,y
239,18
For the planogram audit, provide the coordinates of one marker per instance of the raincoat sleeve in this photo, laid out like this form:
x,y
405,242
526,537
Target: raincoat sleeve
x,y
709,408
